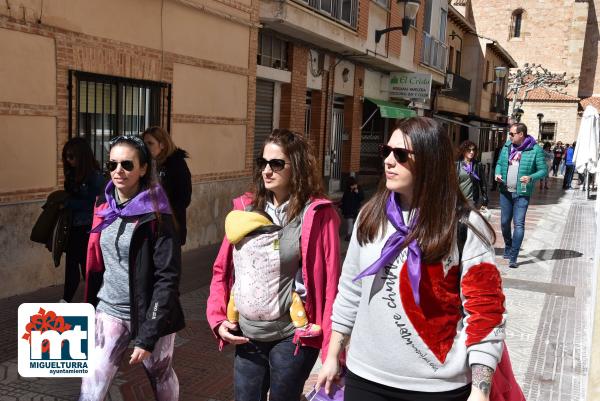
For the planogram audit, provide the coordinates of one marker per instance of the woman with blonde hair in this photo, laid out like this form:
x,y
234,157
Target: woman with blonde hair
x,y
173,174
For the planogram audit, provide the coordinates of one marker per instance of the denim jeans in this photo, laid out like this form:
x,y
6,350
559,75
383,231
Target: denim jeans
x,y
513,208
263,366
568,177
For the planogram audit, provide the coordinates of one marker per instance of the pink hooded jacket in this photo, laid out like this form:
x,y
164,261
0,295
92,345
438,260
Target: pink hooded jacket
x,y
320,271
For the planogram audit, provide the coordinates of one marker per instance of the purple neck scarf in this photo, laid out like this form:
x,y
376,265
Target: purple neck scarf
x,y
515,153
138,206
468,167
392,247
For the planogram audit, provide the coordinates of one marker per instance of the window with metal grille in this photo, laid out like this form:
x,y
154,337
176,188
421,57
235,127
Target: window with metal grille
x,y
103,106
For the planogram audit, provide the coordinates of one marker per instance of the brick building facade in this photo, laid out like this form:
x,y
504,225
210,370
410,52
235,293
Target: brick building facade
x,y
206,67
563,37
167,43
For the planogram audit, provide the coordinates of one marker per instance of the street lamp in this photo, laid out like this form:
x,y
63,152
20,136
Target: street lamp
x,y
540,117
499,73
410,13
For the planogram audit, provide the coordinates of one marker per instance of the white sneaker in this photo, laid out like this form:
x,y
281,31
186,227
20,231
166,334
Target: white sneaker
x,y
62,301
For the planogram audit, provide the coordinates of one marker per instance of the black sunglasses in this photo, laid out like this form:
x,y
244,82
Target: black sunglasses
x,y
275,164
126,164
400,154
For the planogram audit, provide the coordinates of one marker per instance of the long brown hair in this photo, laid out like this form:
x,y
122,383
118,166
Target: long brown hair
x,y
162,137
436,194
305,180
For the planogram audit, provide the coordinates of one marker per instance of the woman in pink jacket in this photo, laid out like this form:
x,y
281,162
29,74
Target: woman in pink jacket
x,y
303,258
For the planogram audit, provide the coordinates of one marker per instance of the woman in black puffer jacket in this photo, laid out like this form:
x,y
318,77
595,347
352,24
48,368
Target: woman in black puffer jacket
x,y
173,174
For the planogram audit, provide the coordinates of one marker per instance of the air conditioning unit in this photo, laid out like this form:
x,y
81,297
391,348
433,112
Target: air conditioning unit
x,y
449,82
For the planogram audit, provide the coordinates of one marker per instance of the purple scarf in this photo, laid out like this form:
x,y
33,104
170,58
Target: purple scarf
x,y
140,205
468,167
392,248
515,153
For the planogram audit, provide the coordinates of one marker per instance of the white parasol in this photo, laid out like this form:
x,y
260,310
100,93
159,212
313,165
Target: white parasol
x,y
586,151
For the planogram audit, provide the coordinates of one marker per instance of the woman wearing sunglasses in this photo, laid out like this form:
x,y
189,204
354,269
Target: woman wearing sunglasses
x,y
271,354
83,183
424,309
173,174
133,271
471,175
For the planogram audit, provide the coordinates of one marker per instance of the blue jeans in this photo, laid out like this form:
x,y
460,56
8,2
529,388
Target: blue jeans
x,y
568,177
260,366
513,208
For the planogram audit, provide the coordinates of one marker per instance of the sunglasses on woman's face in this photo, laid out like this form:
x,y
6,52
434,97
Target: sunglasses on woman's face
x,y
275,164
126,164
400,154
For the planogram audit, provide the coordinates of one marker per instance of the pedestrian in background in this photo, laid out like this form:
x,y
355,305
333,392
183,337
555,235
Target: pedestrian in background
x,y
558,153
133,272
521,163
409,297
350,204
569,166
563,165
471,176
83,183
173,174
549,157
271,355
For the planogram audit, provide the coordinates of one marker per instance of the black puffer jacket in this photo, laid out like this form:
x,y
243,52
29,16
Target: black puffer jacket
x,y
154,275
176,180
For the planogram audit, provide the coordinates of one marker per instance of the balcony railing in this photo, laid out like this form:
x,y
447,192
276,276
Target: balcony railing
x,y
343,11
433,52
460,88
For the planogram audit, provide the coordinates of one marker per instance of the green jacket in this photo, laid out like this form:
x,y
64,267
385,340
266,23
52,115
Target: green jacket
x,y
532,164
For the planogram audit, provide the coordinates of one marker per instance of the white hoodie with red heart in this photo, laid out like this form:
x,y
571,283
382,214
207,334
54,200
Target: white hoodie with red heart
x,y
430,348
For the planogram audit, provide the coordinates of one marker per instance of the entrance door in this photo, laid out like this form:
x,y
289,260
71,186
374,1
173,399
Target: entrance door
x,y
337,132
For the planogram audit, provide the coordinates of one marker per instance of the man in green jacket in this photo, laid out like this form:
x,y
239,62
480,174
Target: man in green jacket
x,y
520,164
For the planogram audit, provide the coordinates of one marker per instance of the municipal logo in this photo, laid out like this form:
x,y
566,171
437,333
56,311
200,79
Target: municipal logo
x,y
56,339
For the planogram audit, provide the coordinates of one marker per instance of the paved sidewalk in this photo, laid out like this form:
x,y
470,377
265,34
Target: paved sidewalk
x,y
549,299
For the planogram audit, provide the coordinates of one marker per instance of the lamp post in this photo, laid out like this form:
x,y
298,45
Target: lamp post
x,y
410,12
540,117
500,74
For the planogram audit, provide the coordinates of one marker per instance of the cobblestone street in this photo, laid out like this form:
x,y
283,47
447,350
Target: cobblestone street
x,y
549,299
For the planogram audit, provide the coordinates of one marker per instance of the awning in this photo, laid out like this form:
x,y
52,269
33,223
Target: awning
x,y
498,126
451,120
392,110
